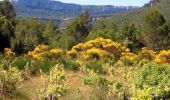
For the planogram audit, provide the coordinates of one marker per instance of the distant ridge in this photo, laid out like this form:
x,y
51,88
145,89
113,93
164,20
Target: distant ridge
x,y
137,16
58,10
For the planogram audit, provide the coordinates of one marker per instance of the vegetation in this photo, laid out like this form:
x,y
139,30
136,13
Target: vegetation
x,y
85,61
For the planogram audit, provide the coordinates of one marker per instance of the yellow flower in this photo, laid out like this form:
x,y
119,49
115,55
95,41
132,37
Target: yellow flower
x,y
163,57
128,58
98,47
8,51
146,53
56,51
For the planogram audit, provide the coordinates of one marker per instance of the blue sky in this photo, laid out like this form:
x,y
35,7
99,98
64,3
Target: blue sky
x,y
108,2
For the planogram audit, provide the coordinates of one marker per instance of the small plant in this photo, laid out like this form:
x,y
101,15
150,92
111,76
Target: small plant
x,y
96,66
8,80
53,84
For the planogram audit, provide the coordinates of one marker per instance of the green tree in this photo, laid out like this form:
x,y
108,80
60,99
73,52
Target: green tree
x,y
129,33
28,34
80,27
104,29
50,35
156,31
7,10
7,23
6,29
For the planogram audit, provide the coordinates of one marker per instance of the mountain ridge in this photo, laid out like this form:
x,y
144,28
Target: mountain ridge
x,y
56,9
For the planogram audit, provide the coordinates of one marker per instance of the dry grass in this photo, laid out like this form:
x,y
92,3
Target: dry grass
x,y
28,89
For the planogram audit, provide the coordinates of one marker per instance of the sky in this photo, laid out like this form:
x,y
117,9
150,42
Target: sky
x,y
108,2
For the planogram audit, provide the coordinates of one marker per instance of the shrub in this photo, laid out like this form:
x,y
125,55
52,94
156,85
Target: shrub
x,y
8,80
147,54
98,85
45,66
98,48
96,66
21,62
53,83
69,64
128,58
163,57
43,52
102,88
151,80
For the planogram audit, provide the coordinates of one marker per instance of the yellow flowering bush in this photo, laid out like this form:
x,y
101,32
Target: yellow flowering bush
x,y
146,53
128,58
94,53
163,57
98,48
53,84
56,51
41,47
72,53
8,51
8,80
42,52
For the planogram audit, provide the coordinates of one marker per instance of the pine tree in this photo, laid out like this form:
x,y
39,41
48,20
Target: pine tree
x,y
156,31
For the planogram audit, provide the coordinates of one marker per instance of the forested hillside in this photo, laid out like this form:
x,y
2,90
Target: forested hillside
x,y
58,10
137,16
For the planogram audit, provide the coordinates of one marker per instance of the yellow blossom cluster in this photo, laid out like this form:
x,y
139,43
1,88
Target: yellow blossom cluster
x,y
97,48
128,58
8,51
94,53
41,52
146,54
56,51
163,57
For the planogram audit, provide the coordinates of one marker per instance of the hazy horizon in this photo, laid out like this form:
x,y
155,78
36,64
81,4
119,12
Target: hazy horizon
x,y
107,2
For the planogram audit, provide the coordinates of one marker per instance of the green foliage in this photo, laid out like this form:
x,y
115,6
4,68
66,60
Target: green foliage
x,y
53,83
129,33
27,35
50,35
102,88
7,10
21,62
96,66
80,27
8,80
7,23
6,32
98,84
156,31
151,81
69,64
106,29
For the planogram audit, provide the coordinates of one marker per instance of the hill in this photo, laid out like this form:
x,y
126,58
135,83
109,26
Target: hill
x,y
137,16
58,10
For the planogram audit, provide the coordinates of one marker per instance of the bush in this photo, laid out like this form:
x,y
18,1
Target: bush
x,y
69,64
96,66
21,62
8,80
98,85
102,89
163,57
53,83
45,66
128,58
151,80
